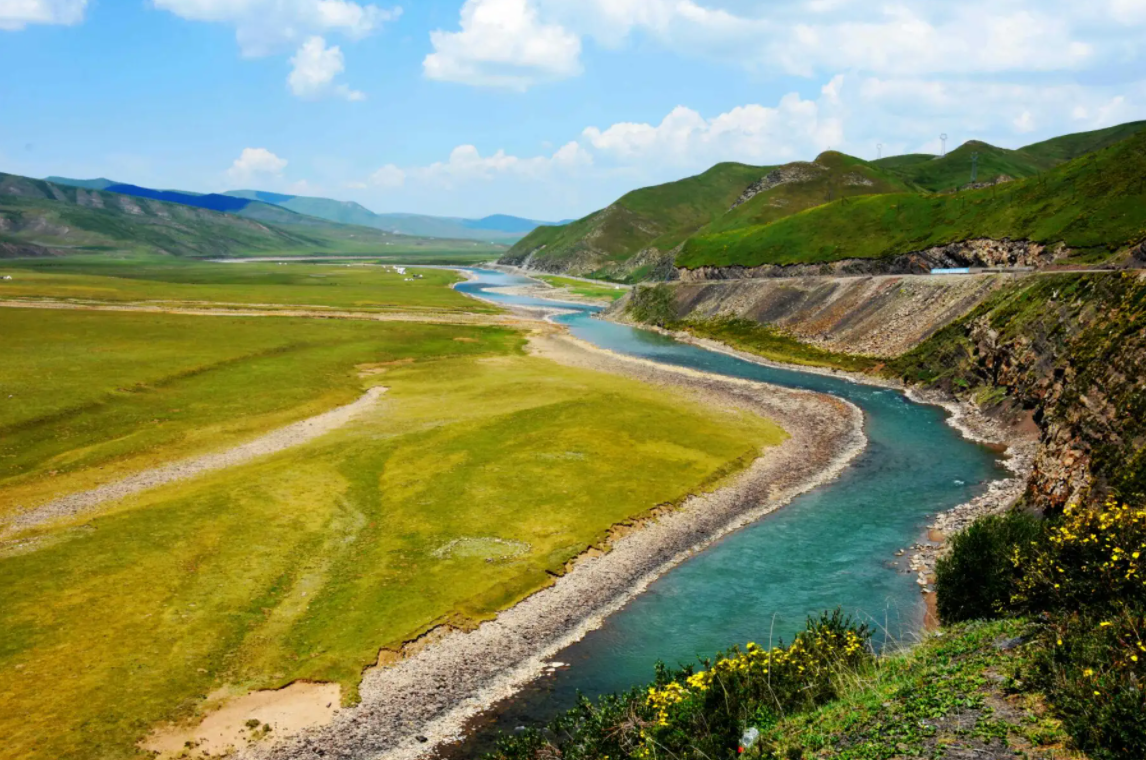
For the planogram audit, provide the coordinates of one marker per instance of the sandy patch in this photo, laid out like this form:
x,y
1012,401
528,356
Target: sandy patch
x,y
255,717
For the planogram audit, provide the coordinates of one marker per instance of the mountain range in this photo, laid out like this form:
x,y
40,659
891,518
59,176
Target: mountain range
x,y
736,214
499,228
42,218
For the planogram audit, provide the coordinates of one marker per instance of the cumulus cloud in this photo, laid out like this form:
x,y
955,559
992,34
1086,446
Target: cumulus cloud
x,y
466,163
389,176
315,67
256,164
17,14
263,27
521,42
503,43
794,128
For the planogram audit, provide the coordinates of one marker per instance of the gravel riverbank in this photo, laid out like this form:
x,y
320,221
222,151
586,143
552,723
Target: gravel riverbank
x,y
968,419
425,699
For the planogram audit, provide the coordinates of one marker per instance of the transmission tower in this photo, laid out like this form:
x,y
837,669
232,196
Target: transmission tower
x,y
943,137
974,167
879,149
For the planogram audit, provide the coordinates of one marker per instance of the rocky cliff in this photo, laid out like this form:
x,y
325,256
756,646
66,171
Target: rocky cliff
x,y
1065,353
872,316
1070,351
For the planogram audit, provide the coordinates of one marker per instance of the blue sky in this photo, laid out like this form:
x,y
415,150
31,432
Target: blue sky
x,y
542,108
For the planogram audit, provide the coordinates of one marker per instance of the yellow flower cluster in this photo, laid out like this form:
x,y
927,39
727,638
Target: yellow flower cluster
x,y
1093,547
807,656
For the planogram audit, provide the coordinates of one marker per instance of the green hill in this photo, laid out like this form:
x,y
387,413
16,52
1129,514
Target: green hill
x,y
659,218
1069,147
953,171
800,186
39,217
728,212
1096,202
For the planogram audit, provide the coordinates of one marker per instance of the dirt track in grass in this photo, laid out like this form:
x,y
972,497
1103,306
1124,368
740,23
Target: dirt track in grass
x,y
284,438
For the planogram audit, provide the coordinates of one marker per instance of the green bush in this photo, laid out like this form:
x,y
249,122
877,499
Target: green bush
x,y
1093,559
653,306
1094,671
978,577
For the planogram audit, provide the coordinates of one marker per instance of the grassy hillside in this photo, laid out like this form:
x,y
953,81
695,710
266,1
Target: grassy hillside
x,y
1092,203
660,217
1068,147
935,174
954,170
831,176
632,239
70,219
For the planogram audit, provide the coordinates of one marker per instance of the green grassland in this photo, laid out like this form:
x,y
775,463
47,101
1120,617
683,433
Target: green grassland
x,y
350,286
87,397
303,565
51,218
1093,202
586,289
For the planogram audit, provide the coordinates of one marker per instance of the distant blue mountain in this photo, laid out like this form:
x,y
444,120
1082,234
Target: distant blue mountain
x,y
503,223
212,201
258,204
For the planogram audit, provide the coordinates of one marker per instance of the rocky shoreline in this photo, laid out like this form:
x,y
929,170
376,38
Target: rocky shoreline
x,y
426,699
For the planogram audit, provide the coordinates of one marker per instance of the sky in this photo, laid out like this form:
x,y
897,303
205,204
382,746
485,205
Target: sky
x,y
546,109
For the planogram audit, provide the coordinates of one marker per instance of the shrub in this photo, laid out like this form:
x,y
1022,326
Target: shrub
x,y
1094,671
1091,559
653,306
978,577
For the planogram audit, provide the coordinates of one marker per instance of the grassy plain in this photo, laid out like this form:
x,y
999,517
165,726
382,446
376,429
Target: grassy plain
x,y
87,397
603,291
302,565
346,286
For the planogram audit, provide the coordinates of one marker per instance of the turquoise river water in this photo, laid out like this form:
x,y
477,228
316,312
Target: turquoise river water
x,y
833,547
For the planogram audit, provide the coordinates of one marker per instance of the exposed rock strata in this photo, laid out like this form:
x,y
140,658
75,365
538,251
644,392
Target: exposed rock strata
x,y
785,175
874,316
982,252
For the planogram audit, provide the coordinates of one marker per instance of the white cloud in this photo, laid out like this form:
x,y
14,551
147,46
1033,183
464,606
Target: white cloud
x,y
256,164
466,164
265,26
795,128
315,67
1129,11
517,43
389,176
1024,123
503,44
17,14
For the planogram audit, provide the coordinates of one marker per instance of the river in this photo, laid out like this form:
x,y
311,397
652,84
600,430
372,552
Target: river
x,y
833,547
